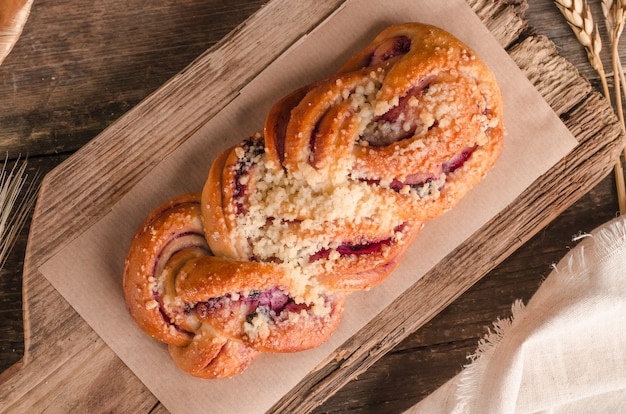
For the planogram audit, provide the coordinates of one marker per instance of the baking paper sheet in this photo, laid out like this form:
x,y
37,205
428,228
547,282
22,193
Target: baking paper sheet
x,y
88,272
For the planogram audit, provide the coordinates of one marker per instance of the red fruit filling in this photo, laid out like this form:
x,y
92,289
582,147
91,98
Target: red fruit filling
x,y
166,317
419,179
403,103
457,161
272,302
396,46
360,249
252,148
177,243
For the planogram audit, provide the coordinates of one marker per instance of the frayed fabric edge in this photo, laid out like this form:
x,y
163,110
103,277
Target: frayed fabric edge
x,y
604,241
610,238
469,377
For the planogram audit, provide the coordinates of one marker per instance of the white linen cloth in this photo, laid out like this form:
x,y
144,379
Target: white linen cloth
x,y
564,352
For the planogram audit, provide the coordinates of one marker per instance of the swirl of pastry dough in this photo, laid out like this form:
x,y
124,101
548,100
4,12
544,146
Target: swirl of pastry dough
x,y
416,113
216,314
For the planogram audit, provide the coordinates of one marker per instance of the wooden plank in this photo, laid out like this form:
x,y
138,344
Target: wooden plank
x,y
505,20
58,337
77,69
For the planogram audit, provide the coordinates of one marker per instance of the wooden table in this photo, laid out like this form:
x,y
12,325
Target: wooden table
x,y
79,67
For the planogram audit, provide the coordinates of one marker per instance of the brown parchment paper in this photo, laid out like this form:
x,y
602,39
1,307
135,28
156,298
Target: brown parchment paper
x,y
88,272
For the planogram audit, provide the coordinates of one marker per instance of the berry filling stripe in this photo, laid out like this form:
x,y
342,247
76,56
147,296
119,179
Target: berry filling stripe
x,y
186,239
361,249
397,46
272,302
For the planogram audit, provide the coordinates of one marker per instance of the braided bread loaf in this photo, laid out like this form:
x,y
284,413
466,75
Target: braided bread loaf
x,y
325,202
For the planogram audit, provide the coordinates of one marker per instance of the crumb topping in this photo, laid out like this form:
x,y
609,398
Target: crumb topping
x,y
289,214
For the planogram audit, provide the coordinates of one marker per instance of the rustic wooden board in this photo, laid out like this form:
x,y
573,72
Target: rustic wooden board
x,y
68,367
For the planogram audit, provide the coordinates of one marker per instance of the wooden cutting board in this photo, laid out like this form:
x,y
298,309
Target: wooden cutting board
x,y
68,367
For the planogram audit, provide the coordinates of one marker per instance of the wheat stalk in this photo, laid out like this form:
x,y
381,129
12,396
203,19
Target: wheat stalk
x,y
615,17
13,210
578,15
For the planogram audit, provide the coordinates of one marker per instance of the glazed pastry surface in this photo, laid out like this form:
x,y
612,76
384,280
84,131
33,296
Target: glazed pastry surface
x,y
324,201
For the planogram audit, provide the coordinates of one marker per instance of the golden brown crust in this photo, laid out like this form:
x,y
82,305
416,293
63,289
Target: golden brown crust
x,y
210,355
208,277
148,255
326,202
215,221
275,124
202,305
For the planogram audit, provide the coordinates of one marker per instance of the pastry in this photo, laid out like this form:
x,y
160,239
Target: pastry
x,y
215,313
324,201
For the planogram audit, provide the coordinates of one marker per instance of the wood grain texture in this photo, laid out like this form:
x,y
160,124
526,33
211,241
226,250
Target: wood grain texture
x,y
78,68
58,372
11,323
